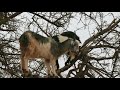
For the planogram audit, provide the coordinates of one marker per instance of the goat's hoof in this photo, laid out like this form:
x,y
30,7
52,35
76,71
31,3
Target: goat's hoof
x,y
26,75
49,76
52,76
34,76
56,77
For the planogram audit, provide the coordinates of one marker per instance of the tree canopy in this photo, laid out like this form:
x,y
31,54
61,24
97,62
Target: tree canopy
x,y
99,32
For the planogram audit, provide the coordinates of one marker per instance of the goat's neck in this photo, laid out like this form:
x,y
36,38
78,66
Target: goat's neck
x,y
64,47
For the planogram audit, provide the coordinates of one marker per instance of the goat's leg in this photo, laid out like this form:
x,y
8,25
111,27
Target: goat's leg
x,y
24,66
49,72
53,67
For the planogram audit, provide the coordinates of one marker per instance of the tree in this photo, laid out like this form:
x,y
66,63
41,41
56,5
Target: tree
x,y
99,54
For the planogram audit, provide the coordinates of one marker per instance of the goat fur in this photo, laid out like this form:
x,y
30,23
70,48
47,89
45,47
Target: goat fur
x,y
33,45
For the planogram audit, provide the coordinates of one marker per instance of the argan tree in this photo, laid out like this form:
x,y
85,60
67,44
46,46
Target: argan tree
x,y
99,32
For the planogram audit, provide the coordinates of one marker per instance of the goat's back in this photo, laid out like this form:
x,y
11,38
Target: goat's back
x,y
35,45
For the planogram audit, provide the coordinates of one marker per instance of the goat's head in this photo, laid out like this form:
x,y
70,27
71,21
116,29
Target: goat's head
x,y
75,41
74,46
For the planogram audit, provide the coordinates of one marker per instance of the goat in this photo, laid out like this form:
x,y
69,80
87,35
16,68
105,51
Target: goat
x,y
61,38
33,45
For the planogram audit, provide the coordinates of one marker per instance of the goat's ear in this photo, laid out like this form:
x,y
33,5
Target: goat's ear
x,y
62,38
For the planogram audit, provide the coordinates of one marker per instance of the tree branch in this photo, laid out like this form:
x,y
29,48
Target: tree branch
x,y
10,17
102,58
54,23
5,29
102,32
